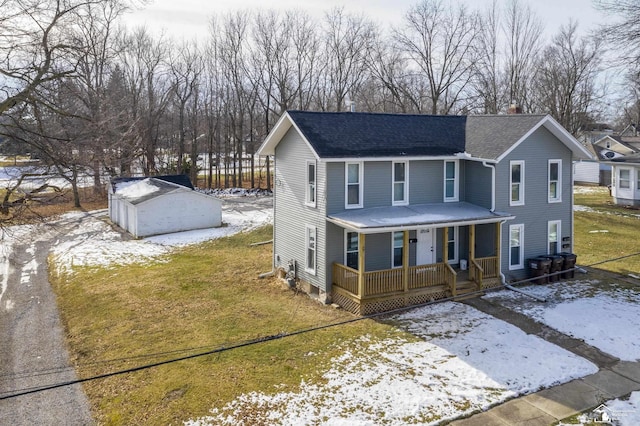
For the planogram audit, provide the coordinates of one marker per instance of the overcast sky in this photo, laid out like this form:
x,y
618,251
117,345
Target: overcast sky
x,y
189,18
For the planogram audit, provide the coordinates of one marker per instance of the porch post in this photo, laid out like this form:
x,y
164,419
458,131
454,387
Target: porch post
x,y
472,242
361,263
445,244
405,260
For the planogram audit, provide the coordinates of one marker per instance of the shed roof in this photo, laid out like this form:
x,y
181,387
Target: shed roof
x,y
138,191
396,218
182,180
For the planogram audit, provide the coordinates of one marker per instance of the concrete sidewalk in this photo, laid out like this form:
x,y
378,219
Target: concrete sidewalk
x,y
615,379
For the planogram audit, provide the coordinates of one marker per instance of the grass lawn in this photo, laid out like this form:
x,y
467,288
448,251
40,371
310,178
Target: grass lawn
x,y
604,231
206,296
209,296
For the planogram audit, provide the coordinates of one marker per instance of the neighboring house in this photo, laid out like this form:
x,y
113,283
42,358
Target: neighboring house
x,y
379,211
590,172
161,205
625,179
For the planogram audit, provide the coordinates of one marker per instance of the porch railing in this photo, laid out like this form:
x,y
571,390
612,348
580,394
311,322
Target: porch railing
x,y
392,280
476,272
489,266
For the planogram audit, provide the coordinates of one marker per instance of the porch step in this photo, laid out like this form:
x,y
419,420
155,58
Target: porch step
x,y
467,290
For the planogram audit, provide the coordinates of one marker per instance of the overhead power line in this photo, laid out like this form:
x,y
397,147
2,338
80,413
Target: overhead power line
x,y
32,390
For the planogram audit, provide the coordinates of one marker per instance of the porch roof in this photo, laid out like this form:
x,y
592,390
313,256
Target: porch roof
x,y
399,218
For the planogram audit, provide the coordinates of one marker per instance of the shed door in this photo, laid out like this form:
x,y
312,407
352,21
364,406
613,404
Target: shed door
x,y
425,250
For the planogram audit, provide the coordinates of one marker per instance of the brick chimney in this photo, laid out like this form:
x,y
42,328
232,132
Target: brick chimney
x,y
514,108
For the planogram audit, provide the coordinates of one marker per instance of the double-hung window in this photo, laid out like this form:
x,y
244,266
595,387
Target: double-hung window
x,y
516,246
555,181
517,183
451,180
351,250
310,265
624,178
553,237
353,185
400,183
310,196
398,244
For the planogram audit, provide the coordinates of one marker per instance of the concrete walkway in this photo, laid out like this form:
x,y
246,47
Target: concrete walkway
x,y
615,379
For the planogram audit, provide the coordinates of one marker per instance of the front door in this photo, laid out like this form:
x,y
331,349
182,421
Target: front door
x,y
425,249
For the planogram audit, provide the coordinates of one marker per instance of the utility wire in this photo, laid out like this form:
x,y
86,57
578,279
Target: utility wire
x,y
27,391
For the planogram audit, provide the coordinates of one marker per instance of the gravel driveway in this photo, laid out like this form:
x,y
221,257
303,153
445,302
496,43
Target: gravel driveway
x,y
33,352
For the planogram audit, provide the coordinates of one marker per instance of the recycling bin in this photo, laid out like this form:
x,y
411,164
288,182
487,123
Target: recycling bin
x,y
539,268
569,264
557,263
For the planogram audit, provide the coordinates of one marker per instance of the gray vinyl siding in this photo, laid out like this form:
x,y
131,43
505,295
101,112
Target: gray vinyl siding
x,y
426,182
377,184
335,187
539,147
291,215
477,186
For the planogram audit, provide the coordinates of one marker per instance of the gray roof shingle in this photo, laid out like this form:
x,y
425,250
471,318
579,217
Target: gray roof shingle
x,y
489,136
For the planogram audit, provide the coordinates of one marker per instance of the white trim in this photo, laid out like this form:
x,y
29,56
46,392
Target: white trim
x,y
520,201
578,151
307,191
558,197
558,241
309,231
360,185
276,134
411,227
393,248
405,182
456,181
520,265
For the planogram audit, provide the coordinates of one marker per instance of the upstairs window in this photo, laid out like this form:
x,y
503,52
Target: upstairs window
x,y
351,251
398,244
517,183
353,190
555,181
311,184
451,180
400,186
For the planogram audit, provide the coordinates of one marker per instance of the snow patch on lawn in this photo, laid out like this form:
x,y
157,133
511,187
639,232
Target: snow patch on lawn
x,y
608,319
464,361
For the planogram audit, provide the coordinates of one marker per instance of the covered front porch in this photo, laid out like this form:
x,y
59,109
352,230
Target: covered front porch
x,y
415,278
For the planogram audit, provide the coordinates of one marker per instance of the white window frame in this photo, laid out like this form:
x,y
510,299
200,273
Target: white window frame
x,y
311,230
394,247
454,259
311,192
558,196
558,224
360,184
456,181
629,179
520,200
346,247
520,265
405,191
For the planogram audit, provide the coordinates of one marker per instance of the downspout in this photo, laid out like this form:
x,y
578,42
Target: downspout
x,y
493,185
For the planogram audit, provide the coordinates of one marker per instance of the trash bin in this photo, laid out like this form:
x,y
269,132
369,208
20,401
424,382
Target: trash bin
x,y
569,264
539,267
557,263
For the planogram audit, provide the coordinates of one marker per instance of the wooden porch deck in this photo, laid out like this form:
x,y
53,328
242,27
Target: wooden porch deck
x,y
380,291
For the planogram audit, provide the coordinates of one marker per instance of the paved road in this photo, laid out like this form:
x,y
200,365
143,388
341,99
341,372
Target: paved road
x,y
32,349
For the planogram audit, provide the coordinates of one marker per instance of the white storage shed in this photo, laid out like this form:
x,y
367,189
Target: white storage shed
x,y
161,205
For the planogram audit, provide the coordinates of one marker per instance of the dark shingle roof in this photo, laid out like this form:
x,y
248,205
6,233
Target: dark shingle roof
x,y
354,134
489,136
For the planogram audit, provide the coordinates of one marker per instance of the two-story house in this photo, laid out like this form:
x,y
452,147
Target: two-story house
x,y
378,211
